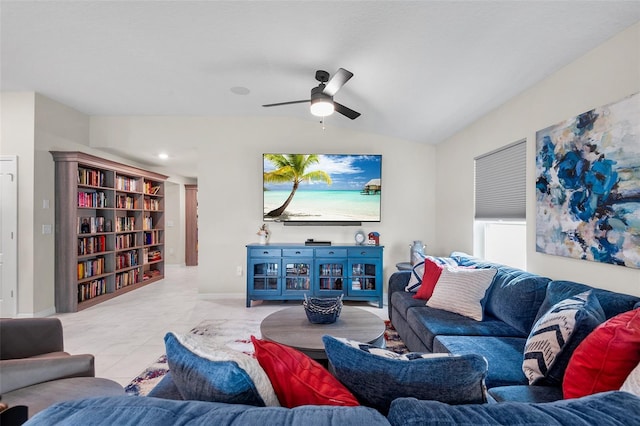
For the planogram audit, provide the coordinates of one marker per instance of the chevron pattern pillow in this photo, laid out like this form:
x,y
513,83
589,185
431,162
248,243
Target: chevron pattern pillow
x,y
555,336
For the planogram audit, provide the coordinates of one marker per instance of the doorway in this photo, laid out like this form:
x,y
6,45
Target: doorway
x,y
8,235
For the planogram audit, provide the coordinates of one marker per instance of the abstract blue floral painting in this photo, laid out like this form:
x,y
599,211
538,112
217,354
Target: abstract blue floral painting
x,y
588,185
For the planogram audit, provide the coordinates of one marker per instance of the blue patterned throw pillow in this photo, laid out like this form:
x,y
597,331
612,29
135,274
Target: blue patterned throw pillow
x,y
555,336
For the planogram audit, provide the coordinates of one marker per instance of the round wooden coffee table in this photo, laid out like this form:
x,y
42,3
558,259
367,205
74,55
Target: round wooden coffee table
x,y
291,327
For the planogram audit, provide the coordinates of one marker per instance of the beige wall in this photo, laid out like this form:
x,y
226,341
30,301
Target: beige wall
x,y
174,223
230,184
17,138
606,74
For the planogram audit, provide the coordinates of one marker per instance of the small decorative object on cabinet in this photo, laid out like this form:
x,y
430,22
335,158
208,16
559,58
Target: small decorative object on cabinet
x,y
263,233
109,229
291,271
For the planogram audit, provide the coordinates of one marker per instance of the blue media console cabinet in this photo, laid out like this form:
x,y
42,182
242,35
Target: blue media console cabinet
x,y
289,271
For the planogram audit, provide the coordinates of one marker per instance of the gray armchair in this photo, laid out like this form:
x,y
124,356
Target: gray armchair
x,y
32,351
36,371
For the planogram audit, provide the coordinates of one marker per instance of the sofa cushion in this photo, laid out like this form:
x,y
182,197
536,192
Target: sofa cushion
x,y
129,410
556,335
605,358
402,301
525,393
461,291
523,291
299,380
503,354
430,322
377,380
612,303
612,408
204,372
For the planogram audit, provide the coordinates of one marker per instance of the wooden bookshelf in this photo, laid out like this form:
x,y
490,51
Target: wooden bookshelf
x,y
109,229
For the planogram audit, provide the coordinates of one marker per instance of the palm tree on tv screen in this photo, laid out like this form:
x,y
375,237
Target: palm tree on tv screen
x,y
292,168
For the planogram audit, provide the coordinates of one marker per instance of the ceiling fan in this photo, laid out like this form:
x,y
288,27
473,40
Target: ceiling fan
x,y
322,103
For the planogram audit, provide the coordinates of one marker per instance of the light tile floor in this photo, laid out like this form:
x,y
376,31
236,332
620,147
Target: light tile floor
x,y
125,334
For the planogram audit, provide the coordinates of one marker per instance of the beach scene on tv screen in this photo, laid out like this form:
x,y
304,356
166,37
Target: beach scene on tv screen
x,y
322,187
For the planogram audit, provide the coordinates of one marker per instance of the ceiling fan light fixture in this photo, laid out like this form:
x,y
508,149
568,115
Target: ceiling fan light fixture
x,y
322,107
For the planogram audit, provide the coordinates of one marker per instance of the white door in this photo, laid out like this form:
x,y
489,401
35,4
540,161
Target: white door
x,y
8,235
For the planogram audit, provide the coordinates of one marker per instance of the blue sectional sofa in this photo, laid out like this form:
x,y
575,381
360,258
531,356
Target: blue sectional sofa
x,y
512,304
609,408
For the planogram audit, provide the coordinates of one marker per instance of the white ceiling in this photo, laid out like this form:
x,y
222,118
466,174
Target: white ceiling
x,y
423,69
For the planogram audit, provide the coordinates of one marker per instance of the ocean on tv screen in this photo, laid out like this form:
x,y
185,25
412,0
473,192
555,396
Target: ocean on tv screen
x,y
311,205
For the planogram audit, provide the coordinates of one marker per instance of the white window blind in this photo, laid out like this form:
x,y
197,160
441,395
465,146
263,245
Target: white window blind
x,y
501,183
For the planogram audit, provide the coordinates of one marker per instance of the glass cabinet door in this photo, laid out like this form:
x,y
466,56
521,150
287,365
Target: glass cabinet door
x,y
265,275
362,278
331,276
297,276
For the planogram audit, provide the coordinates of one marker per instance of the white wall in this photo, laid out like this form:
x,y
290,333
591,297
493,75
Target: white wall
x,y
606,74
17,138
174,223
230,184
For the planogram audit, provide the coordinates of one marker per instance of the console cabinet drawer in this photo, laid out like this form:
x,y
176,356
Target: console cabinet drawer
x,y
258,252
331,252
297,252
364,252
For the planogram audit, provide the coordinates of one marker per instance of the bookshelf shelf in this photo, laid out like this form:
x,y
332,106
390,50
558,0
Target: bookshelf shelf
x,y
101,209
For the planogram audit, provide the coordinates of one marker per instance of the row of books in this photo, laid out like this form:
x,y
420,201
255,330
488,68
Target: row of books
x,y
124,279
151,238
124,183
127,259
91,268
151,274
90,177
93,224
151,204
125,223
151,188
126,241
90,245
91,289
152,255
147,222
125,202
92,199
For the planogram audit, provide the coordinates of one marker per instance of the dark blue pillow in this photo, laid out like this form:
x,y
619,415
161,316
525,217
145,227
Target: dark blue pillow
x,y
377,380
206,373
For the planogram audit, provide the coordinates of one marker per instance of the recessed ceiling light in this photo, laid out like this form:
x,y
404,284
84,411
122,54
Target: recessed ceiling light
x,y
163,156
239,90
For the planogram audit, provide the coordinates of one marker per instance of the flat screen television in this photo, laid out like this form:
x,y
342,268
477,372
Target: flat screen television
x,y
307,189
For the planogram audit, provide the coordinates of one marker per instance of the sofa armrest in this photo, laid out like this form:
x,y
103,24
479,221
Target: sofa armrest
x,y
27,337
397,282
19,373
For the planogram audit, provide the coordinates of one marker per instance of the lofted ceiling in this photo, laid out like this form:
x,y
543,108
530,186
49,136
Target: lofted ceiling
x,y
423,69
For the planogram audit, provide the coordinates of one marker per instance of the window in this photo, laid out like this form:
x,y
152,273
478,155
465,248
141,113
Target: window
x,y
500,205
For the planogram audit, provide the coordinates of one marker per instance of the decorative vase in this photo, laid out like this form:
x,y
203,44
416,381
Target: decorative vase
x,y
263,238
417,252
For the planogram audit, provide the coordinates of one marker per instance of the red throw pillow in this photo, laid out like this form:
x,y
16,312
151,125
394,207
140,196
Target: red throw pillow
x,y
432,272
605,357
299,380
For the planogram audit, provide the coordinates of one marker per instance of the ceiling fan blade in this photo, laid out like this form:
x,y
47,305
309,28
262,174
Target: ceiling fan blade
x,y
337,81
347,112
287,103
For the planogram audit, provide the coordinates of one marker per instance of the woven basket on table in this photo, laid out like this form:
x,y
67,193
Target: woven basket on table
x,y
322,310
